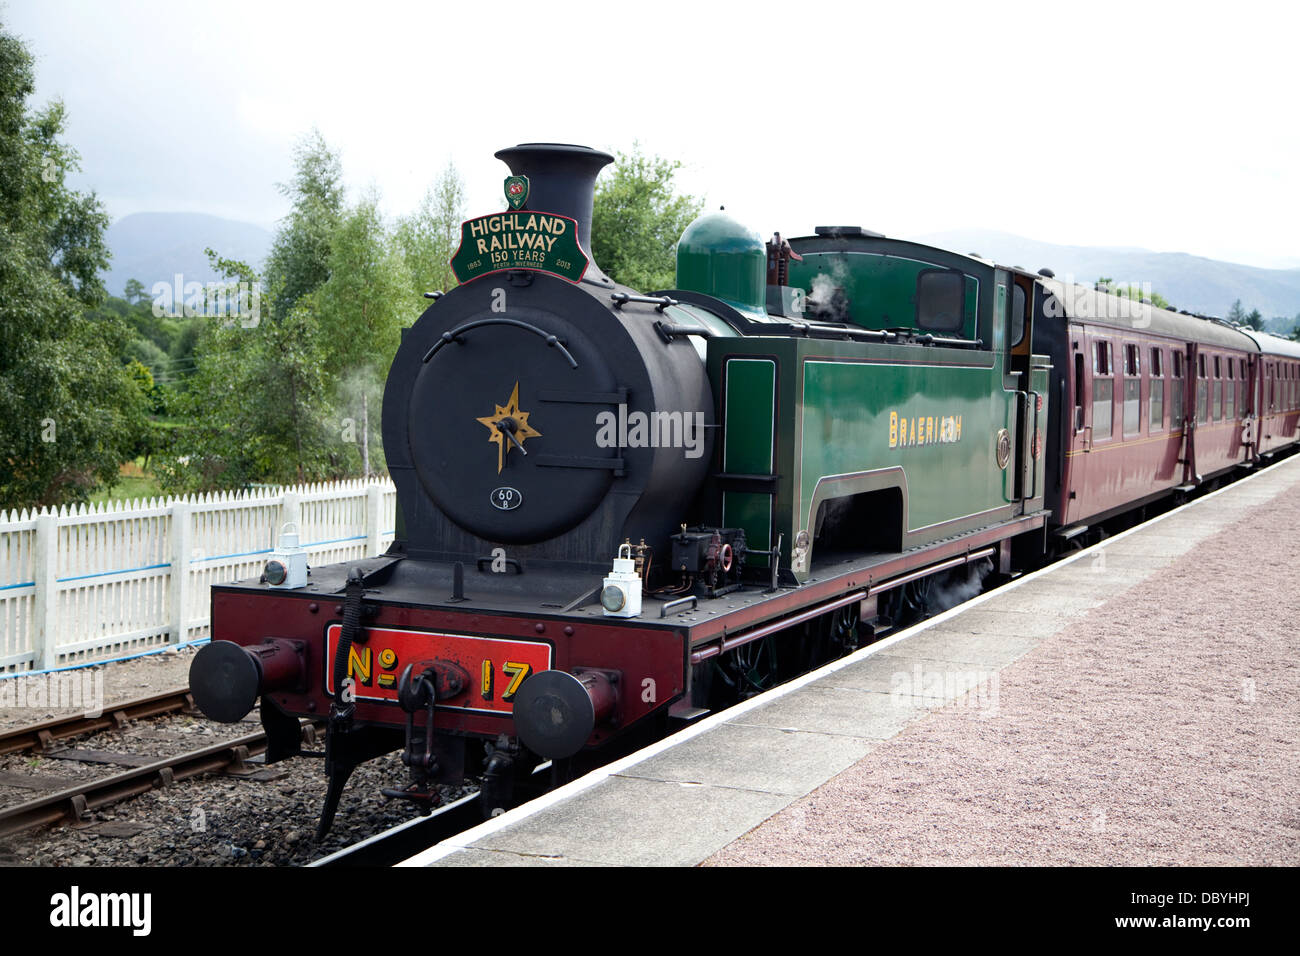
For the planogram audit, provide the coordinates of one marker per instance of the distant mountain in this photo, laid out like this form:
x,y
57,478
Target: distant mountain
x,y
1189,282
155,246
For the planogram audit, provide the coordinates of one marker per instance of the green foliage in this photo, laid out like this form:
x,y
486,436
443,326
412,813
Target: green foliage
x,y
362,310
366,301
299,258
1252,320
637,221
254,408
428,237
295,396
72,411
1135,292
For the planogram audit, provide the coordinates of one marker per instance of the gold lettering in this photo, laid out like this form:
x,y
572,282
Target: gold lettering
x,y
893,429
359,665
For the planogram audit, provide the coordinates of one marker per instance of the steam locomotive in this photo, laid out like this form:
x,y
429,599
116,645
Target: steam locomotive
x,y
619,509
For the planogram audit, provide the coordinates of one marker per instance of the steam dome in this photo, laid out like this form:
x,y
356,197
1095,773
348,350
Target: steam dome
x,y
721,257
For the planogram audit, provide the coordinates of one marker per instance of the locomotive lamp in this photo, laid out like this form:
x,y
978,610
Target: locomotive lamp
x,y
287,566
621,595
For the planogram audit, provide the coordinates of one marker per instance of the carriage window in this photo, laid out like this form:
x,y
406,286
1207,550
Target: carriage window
x,y
1132,391
1017,315
940,300
1157,392
1078,392
1101,359
1202,391
1103,393
1176,409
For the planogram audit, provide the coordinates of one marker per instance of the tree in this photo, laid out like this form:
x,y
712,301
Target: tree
x,y
637,221
428,237
72,411
362,310
1135,292
1255,320
1237,315
134,292
299,259
288,395
257,405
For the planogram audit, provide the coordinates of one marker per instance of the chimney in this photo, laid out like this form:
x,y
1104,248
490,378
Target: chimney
x,y
562,180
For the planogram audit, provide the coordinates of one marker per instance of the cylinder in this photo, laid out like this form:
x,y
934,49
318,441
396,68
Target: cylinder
x,y
555,711
226,678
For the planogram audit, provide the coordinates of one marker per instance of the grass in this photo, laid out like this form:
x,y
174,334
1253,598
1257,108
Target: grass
x,y
132,482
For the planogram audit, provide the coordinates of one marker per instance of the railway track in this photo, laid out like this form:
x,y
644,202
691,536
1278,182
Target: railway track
x,y
76,802
43,735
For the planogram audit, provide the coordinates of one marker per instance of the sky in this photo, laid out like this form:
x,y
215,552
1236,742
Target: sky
x,y
1170,127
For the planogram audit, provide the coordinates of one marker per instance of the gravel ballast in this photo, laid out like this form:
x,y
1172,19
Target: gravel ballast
x,y
211,820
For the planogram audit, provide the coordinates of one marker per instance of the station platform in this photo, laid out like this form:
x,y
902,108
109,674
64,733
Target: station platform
x,y
1136,703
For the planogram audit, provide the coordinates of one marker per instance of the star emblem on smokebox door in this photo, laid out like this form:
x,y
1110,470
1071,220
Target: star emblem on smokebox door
x,y
509,427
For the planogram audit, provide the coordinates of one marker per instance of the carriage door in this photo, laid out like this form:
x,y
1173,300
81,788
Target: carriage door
x,y
1249,408
1078,443
1030,420
1195,407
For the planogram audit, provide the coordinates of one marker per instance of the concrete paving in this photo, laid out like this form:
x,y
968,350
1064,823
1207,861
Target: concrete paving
x,y
687,797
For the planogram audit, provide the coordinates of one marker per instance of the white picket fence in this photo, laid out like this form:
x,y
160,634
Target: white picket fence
x,y
88,583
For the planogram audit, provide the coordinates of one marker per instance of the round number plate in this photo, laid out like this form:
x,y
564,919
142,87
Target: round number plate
x,y
506,499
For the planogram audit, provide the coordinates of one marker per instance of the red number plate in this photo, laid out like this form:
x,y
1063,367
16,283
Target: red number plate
x,y
497,666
